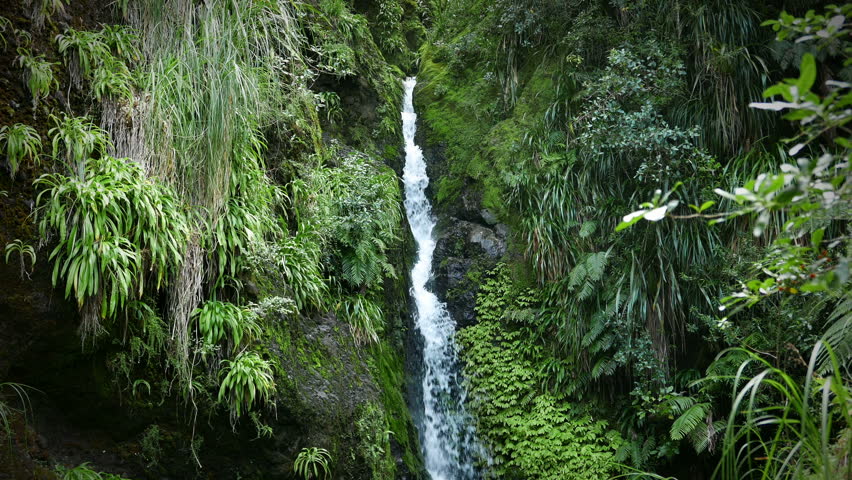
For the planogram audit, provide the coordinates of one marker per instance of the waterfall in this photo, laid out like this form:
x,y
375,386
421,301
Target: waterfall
x,y
446,432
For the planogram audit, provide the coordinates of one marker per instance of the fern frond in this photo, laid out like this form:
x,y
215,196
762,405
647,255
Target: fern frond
x,y
694,417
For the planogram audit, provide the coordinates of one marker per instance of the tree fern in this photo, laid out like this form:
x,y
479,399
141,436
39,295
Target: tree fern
x,y
689,420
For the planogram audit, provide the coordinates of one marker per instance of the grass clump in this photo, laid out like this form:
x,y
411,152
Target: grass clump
x,y
312,460
111,221
38,75
19,142
248,381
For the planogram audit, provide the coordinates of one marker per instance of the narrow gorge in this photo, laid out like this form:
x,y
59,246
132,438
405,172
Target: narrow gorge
x,y
446,430
425,240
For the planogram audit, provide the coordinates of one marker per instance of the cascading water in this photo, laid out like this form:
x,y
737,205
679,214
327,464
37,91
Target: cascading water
x,y
446,432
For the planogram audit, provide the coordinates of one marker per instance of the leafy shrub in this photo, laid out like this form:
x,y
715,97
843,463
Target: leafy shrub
x,y
356,208
38,75
216,319
310,461
20,142
248,381
111,221
78,138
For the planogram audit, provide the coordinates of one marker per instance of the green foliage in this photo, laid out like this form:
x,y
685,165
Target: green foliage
x,y
38,75
246,217
364,316
83,472
102,57
145,342
150,443
248,381
220,320
530,431
605,299
7,411
44,9
829,30
78,138
356,208
20,142
112,79
803,434
388,368
296,259
24,251
123,41
83,52
5,23
312,460
374,441
112,221
812,194
778,427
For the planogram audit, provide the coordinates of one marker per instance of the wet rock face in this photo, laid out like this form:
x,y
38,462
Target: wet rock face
x,y
470,241
464,252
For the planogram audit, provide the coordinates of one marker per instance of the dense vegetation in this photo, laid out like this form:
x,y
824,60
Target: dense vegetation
x,y
213,187
562,118
186,201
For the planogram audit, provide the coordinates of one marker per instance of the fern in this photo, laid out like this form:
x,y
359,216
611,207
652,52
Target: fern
x,y
690,420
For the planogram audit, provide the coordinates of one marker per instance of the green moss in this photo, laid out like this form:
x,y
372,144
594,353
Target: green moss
x,y
449,189
388,369
391,152
460,111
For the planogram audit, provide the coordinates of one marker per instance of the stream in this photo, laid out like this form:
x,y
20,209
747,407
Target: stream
x,y
447,435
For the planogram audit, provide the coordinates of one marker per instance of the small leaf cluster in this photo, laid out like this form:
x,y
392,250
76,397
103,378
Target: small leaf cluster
x,y
38,75
311,461
20,142
248,381
219,320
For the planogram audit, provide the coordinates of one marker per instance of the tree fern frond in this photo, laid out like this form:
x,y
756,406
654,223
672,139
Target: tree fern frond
x,y
694,417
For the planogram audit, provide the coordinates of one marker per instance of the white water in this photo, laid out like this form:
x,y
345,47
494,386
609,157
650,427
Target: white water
x,y
446,432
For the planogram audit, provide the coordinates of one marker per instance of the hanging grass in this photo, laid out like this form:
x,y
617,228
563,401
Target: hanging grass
x,y
20,142
38,75
115,227
248,382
